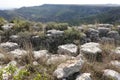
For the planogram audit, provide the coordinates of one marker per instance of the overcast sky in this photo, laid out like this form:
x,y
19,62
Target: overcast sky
x,y
5,4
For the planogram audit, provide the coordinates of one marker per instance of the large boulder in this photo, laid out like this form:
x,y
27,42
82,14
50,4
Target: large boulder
x,y
41,55
112,74
103,31
91,51
84,38
56,59
9,46
113,34
37,41
84,76
18,53
90,48
69,49
64,70
93,34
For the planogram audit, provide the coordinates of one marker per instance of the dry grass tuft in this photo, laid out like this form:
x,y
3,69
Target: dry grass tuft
x,y
7,57
27,58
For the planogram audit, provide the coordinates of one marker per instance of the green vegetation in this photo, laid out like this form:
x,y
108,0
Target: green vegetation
x,y
2,21
57,26
71,35
72,14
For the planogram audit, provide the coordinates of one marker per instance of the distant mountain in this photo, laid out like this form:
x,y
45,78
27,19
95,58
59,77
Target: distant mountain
x,y
73,14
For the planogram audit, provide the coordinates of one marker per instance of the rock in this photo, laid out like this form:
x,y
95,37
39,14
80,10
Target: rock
x,y
56,59
118,28
41,54
93,34
115,63
14,38
91,51
117,50
18,53
68,68
84,38
36,40
69,49
90,48
80,28
107,40
13,63
111,73
105,25
54,32
35,63
7,26
103,31
113,34
91,26
9,46
84,76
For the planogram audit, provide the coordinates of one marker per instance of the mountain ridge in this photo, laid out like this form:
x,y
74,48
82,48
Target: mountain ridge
x,y
73,14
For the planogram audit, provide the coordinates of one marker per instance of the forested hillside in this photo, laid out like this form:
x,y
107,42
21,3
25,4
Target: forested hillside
x,y
73,14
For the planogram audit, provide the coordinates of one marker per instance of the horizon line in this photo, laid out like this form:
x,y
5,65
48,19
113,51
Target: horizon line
x,y
105,4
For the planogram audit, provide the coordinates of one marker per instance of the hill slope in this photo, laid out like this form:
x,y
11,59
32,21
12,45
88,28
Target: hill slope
x,y
73,14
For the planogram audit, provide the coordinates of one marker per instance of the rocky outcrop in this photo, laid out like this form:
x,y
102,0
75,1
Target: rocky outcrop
x,y
107,40
113,34
84,76
18,53
105,25
91,51
56,59
117,50
41,54
7,26
103,31
112,74
69,49
90,48
93,34
14,38
68,68
9,46
115,63
54,32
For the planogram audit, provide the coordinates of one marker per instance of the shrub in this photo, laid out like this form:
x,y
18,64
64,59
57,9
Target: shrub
x,y
57,26
72,34
2,21
21,25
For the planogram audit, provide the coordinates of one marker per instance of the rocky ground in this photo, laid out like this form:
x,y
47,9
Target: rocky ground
x,y
95,57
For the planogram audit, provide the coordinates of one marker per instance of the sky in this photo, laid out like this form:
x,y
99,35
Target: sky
x,y
8,4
